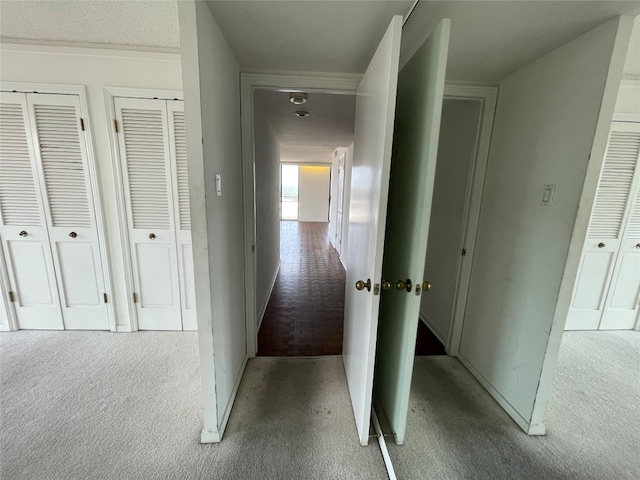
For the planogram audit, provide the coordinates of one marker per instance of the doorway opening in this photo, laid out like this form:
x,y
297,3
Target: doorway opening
x,y
300,279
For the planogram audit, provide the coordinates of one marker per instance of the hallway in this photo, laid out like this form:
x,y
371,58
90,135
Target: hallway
x,y
305,313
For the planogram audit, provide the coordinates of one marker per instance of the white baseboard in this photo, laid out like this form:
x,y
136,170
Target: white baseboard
x,y
227,412
265,301
123,329
209,437
525,425
5,328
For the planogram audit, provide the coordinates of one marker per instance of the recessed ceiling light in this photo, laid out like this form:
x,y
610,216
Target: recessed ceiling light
x,y
298,98
302,113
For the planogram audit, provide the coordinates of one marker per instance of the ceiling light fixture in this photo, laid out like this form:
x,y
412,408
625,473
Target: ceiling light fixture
x,y
302,113
298,98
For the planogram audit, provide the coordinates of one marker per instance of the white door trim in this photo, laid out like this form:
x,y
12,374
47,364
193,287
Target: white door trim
x,y
488,96
81,92
110,93
336,84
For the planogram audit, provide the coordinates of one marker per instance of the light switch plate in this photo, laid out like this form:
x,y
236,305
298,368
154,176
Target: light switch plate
x,y
548,194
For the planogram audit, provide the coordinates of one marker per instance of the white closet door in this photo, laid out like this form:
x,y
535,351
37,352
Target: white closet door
x,y
146,167
178,143
605,230
621,306
69,206
23,229
340,214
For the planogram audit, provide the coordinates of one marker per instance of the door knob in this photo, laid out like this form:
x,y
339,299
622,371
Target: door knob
x,y
406,285
426,286
73,234
637,245
601,245
152,236
386,285
23,233
360,285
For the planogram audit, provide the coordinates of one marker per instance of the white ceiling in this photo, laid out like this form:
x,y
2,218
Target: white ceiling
x,y
140,24
313,138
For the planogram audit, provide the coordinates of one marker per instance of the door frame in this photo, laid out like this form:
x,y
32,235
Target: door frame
x,y
110,94
96,201
345,84
488,96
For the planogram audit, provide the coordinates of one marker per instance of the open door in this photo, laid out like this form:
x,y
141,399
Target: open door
x,y
375,107
415,147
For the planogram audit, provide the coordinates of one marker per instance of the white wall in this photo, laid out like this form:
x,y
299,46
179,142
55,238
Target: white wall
x,y
545,121
212,106
267,194
313,193
456,152
96,69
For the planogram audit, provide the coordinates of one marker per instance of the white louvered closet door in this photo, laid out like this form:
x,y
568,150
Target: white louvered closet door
x,y
62,160
23,229
606,227
146,167
621,307
178,145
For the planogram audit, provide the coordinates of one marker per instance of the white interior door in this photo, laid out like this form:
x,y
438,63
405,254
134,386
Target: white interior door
x,y
604,235
375,107
146,166
178,141
413,168
61,152
23,228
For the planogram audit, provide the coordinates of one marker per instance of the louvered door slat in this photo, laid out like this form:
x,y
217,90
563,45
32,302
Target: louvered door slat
x,y
62,165
182,170
613,188
633,228
144,144
18,190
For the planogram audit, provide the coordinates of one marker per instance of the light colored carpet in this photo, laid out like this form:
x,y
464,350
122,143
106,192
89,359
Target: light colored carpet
x,y
457,431
89,405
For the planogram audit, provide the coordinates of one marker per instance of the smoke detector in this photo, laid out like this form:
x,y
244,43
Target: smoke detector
x,y
298,98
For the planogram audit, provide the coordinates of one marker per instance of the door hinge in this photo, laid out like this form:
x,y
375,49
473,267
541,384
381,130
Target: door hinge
x,y
115,125
104,296
253,248
135,298
464,252
82,124
12,297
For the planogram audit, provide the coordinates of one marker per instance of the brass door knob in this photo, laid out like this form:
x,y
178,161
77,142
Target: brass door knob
x,y
601,245
406,285
426,286
152,236
23,233
386,285
73,234
360,285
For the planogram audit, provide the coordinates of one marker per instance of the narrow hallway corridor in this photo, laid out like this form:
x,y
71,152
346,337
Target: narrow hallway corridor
x,y
305,313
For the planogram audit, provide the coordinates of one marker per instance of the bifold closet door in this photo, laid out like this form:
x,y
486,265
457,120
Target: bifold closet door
x,y
62,160
23,227
621,306
146,167
592,290
178,144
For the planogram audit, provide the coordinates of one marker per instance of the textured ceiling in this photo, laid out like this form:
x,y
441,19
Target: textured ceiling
x,y
141,24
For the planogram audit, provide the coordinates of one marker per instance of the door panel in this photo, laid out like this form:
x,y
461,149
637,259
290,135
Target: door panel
x,y
182,214
22,221
415,148
340,215
375,106
70,209
146,167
